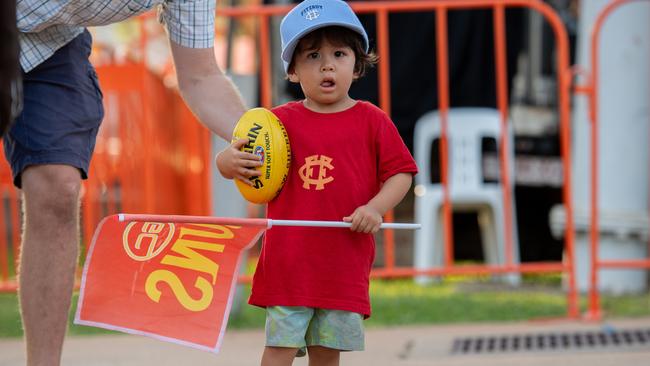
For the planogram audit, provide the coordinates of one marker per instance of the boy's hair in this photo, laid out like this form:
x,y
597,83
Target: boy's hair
x,y
339,36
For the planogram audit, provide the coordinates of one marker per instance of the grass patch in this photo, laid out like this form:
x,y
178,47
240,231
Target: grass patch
x,y
401,302
9,316
10,323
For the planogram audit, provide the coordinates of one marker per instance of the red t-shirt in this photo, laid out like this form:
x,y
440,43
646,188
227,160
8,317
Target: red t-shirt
x,y
338,162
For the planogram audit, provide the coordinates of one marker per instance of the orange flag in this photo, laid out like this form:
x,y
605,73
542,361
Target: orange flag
x,y
167,277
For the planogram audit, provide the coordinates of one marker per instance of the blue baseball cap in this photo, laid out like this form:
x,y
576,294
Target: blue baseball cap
x,y
310,15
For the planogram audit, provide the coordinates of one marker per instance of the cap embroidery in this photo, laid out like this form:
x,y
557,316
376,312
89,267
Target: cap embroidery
x,y
311,12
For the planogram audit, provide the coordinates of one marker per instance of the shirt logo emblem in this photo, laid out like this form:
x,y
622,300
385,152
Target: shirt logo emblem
x,y
314,172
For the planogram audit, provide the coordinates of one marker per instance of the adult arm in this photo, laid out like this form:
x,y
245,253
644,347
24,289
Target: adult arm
x,y
216,102
208,92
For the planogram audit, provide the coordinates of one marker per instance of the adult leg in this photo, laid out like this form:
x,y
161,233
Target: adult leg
x,y
323,356
278,356
48,258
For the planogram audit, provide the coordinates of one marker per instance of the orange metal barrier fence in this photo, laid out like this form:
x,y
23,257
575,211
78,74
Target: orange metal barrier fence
x,y
590,89
9,228
138,161
382,9
151,156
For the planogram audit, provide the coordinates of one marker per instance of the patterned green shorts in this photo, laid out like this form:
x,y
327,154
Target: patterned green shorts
x,y
299,327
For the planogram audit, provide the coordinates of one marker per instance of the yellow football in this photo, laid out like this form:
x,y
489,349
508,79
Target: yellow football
x,y
267,139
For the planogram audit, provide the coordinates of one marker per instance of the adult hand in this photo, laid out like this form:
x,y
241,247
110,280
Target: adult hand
x,y
236,164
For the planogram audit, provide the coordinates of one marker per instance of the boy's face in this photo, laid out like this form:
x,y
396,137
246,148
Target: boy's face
x,y
325,73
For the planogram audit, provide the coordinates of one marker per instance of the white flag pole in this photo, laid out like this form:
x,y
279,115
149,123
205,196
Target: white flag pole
x,y
268,222
390,225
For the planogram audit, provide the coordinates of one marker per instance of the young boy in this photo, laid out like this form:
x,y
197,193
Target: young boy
x,y
348,163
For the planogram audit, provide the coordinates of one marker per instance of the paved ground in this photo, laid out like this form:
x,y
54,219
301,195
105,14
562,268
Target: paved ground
x,y
400,346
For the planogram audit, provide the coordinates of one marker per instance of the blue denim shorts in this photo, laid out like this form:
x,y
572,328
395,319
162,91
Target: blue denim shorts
x,y
300,327
62,111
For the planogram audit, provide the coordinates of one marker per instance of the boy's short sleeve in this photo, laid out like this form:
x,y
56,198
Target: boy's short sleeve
x,y
190,23
394,157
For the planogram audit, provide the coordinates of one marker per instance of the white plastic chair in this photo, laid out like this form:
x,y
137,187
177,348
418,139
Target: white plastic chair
x,y
468,192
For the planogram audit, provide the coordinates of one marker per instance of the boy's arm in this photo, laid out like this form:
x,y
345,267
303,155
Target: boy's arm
x,y
368,218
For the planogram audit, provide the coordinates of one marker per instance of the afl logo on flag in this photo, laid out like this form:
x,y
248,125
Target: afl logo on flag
x,y
145,240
